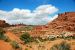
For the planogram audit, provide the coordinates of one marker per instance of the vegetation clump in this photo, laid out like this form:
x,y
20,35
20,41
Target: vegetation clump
x,y
68,35
26,37
52,37
2,33
26,48
61,46
15,45
3,36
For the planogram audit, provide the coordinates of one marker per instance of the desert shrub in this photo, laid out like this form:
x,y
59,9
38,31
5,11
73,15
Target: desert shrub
x,y
26,48
67,35
73,37
36,40
61,46
3,36
15,45
6,39
62,35
1,30
26,37
51,38
40,39
2,33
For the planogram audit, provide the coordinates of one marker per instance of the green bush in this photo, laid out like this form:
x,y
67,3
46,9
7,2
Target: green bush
x,y
15,45
26,48
26,37
1,30
2,33
6,39
73,37
3,36
61,46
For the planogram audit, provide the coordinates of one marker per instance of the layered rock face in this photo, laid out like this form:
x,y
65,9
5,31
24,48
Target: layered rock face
x,y
64,22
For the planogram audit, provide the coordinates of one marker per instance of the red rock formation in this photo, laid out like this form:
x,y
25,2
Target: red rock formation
x,y
3,23
64,22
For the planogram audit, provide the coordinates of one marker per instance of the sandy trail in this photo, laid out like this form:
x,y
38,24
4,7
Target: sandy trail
x,y
13,37
5,46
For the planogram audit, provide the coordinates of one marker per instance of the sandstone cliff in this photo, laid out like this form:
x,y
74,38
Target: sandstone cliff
x,y
64,22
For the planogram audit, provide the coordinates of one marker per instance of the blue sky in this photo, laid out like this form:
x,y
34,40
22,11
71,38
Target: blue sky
x,y
33,12
62,5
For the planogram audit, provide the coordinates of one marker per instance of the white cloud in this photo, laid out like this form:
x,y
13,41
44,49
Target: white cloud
x,y
39,16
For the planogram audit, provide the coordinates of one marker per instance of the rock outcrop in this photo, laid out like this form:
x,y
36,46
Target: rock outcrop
x,y
3,23
64,22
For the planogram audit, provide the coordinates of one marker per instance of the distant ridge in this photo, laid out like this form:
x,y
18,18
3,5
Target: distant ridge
x,y
64,22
